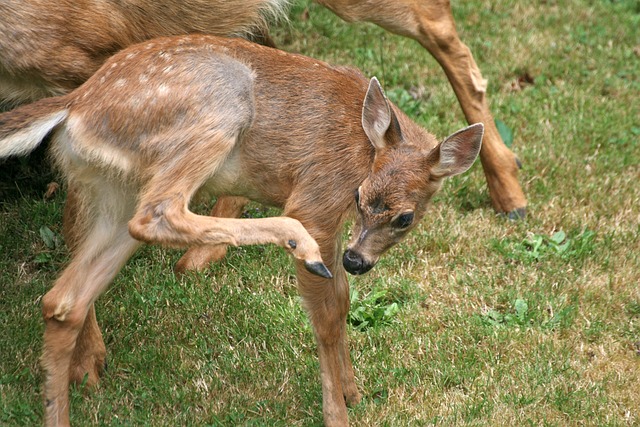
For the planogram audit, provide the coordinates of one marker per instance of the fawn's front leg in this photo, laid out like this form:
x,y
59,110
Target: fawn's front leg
x,y
327,303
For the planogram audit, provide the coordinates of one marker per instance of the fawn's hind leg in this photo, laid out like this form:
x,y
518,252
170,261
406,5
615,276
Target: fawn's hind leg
x,y
68,304
197,258
89,355
163,214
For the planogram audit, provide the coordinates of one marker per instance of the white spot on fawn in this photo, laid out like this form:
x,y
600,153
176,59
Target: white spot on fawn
x,y
162,90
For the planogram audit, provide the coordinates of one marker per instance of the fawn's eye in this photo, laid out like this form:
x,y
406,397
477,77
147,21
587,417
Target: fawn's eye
x,y
403,221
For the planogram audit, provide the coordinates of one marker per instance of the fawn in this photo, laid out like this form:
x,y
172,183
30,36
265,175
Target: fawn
x,y
172,117
51,48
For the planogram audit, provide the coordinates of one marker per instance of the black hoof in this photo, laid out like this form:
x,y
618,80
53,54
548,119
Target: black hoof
x,y
318,268
520,213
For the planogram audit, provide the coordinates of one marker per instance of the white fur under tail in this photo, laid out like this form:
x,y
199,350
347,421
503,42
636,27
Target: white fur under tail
x,y
26,139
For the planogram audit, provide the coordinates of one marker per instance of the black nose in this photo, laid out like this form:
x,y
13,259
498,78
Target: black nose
x,y
354,263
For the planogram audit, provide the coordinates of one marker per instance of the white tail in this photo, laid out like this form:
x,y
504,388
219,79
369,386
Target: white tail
x,y
25,136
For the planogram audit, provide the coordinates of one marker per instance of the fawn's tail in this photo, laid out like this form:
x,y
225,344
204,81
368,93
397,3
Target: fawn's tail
x,y
23,129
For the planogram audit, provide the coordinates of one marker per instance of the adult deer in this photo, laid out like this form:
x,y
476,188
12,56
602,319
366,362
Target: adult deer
x,y
168,118
49,48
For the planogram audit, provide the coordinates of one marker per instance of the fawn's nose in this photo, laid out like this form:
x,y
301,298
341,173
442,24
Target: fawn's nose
x,y
354,263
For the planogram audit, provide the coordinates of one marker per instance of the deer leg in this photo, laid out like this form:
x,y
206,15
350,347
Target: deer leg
x,y
197,258
163,214
323,304
327,304
347,377
72,219
431,24
166,220
68,304
439,36
89,355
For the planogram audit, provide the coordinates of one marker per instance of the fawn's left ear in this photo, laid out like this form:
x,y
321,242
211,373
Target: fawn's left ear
x,y
457,152
378,120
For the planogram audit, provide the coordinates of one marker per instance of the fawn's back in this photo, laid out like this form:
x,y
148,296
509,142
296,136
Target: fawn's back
x,y
291,118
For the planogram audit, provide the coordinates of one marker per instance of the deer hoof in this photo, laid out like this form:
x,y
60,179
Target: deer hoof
x,y
516,214
318,268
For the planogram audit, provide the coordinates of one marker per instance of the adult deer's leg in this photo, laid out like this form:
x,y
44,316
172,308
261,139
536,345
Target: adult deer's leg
x,y
431,23
198,258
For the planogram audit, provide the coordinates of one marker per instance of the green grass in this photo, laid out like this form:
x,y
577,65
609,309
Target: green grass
x,y
535,322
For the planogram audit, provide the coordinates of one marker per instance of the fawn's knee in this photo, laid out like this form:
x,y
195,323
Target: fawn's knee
x,y
59,306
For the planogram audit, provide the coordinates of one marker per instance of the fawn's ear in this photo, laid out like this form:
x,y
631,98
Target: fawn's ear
x,y
378,120
457,152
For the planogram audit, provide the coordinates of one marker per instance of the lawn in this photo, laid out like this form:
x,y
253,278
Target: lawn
x,y
474,320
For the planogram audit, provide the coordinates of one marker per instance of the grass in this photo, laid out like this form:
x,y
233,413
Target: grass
x,y
472,321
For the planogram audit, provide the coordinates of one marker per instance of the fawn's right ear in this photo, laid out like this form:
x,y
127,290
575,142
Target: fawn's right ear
x,y
378,119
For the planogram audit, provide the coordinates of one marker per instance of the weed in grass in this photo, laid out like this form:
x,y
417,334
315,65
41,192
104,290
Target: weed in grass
x,y
633,308
519,315
372,310
536,247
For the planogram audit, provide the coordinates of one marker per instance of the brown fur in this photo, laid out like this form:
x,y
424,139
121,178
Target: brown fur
x,y
51,48
168,118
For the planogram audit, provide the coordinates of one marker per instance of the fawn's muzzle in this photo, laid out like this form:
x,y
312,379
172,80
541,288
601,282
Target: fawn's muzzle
x,y
354,263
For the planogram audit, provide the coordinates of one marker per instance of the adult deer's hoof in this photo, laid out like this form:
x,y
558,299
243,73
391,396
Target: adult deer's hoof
x,y
516,214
